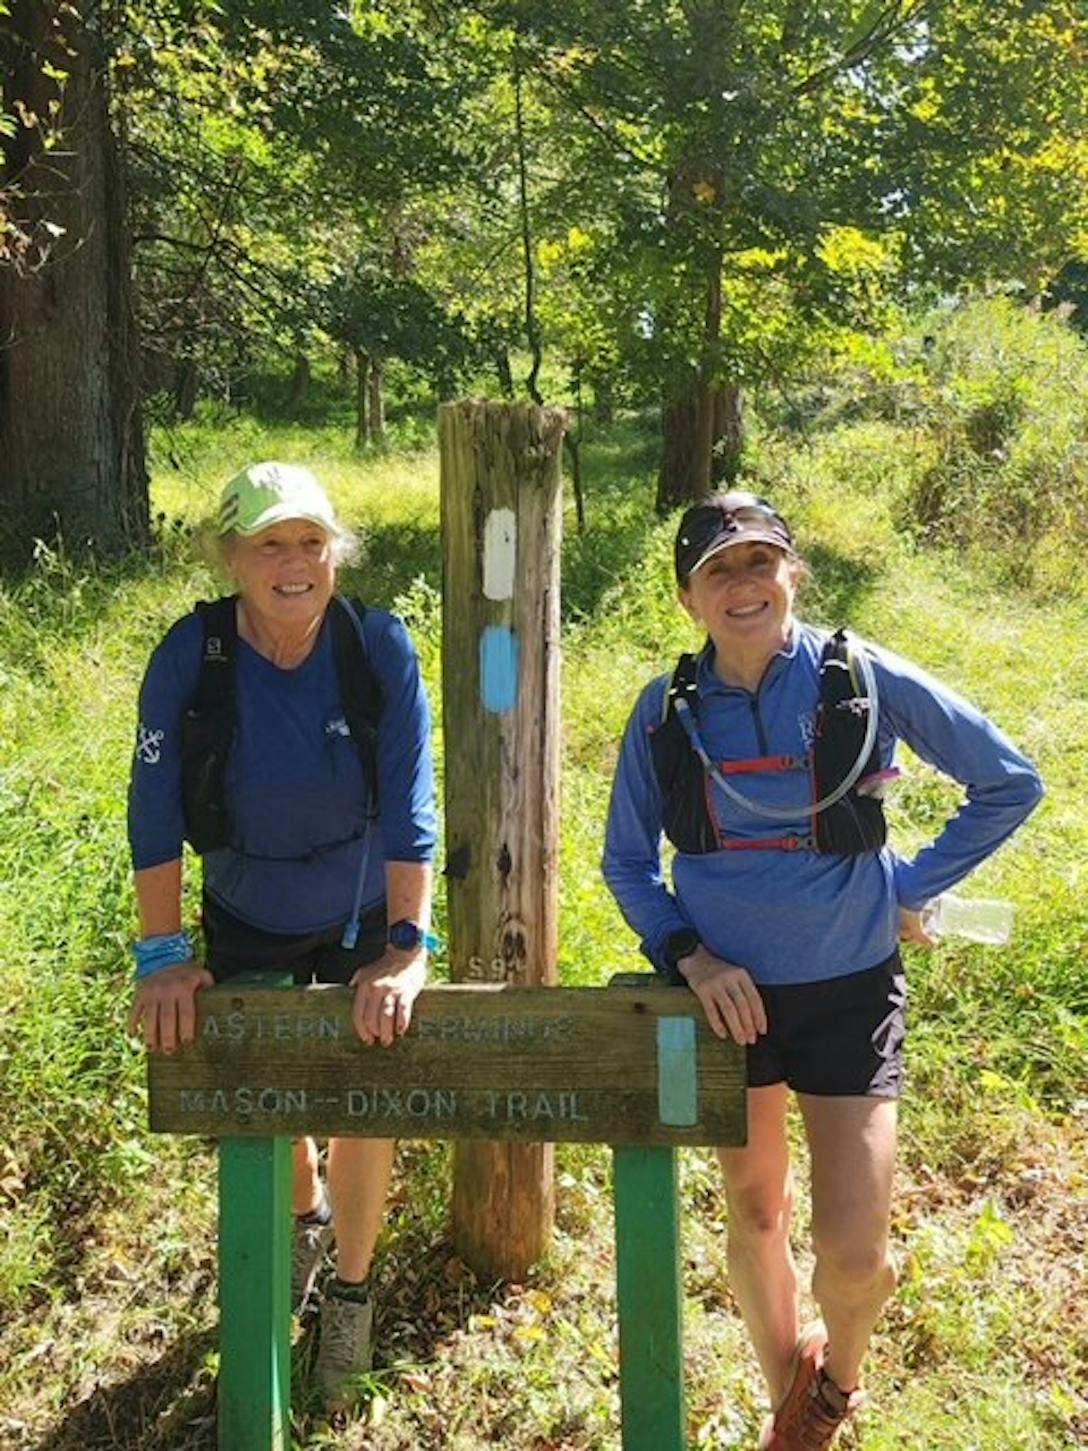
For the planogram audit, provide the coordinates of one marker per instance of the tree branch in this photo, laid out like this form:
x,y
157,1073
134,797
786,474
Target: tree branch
x,y
532,327
613,143
884,28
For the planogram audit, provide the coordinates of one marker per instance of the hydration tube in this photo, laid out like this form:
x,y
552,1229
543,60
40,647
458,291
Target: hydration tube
x,y
806,808
351,926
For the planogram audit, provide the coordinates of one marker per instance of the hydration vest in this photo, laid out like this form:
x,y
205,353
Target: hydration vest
x,y
209,723
853,824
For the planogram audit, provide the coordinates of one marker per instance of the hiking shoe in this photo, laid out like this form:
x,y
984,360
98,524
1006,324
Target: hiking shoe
x,y
814,1409
345,1348
308,1247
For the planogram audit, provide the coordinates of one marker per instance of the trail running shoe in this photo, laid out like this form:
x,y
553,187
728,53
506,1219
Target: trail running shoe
x,y
308,1247
814,1409
346,1347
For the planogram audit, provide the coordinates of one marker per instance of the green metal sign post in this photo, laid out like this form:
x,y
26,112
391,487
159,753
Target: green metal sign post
x,y
633,1065
254,1294
649,1298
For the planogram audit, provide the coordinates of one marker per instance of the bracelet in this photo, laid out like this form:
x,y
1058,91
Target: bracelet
x,y
168,949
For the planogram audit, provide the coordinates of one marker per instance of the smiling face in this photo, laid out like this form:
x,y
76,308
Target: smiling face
x,y
286,573
743,597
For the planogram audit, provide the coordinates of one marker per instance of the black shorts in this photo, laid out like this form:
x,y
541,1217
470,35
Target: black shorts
x,y
232,946
843,1036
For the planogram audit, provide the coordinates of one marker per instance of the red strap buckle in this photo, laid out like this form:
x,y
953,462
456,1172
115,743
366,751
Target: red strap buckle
x,y
770,843
760,763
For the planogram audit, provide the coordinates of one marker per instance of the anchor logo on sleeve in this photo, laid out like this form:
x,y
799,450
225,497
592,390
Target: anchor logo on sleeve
x,y
149,745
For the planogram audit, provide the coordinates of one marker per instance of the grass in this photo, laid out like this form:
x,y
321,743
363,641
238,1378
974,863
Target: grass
x,y
106,1257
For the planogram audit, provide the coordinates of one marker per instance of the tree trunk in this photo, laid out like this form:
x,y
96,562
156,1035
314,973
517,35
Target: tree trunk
x,y
696,217
677,473
186,388
299,390
376,402
71,436
573,447
604,404
707,397
572,444
362,373
728,447
694,463
504,372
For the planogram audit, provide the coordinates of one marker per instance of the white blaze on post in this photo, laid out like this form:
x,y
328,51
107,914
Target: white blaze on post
x,y
500,554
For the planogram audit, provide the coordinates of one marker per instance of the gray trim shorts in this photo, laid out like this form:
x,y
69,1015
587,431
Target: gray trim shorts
x,y
839,1037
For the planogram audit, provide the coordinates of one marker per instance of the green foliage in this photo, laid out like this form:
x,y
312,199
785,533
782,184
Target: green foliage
x,y
1007,395
271,151
396,317
809,157
982,406
991,165
817,158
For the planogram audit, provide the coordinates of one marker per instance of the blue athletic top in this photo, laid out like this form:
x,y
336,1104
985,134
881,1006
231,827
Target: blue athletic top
x,y
798,916
298,798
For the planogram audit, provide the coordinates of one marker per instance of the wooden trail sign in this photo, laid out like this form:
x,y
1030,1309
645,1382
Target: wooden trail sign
x,y
591,1065
633,1065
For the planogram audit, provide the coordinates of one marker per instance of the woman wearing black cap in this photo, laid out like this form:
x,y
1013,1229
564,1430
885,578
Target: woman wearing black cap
x,y
763,760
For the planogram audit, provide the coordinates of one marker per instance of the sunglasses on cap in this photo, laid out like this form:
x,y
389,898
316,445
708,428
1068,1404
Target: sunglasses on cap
x,y
716,524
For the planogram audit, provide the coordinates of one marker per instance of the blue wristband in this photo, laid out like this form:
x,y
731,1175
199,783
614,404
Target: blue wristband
x,y
168,949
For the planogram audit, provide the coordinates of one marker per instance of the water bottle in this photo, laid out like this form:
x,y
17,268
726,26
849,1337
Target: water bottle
x,y
978,919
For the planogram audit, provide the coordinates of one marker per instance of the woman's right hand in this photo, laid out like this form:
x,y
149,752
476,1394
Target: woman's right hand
x,y
164,1006
730,999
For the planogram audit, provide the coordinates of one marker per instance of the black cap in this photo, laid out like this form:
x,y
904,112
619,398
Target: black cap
x,y
721,521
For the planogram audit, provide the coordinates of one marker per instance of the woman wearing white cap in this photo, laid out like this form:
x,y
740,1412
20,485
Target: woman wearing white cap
x,y
286,734
763,760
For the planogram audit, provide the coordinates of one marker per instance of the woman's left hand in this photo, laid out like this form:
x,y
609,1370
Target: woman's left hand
x,y
911,929
732,1002
385,993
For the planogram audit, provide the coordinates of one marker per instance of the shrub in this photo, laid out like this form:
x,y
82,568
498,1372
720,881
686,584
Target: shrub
x,y
1007,407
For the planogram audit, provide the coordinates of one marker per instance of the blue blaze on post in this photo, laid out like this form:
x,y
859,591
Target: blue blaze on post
x,y
499,668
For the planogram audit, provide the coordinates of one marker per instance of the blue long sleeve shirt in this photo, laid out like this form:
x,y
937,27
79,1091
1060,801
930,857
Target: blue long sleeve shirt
x,y
298,798
799,916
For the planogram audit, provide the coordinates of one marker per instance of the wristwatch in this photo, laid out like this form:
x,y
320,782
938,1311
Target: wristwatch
x,y
678,944
407,934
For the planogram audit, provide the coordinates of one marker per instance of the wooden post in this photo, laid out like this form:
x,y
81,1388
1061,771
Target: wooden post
x,y
501,525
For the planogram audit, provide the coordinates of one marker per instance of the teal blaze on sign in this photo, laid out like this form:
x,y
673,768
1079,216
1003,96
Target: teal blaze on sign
x,y
677,1087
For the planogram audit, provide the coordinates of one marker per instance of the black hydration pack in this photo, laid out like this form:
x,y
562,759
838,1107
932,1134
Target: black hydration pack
x,y
210,720
852,825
